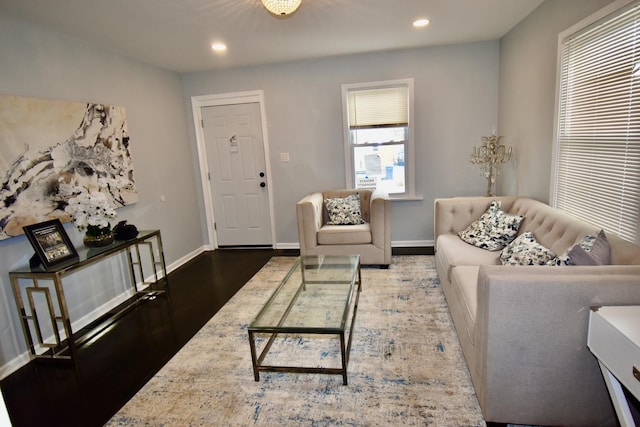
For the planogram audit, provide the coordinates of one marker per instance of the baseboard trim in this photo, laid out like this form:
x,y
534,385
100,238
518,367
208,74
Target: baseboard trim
x,y
411,243
394,244
287,246
188,257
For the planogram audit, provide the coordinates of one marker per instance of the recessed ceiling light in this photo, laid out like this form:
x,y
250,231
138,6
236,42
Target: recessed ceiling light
x,y
219,47
420,23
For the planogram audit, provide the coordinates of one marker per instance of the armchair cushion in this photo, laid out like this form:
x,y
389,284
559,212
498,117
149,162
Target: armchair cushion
x,y
345,234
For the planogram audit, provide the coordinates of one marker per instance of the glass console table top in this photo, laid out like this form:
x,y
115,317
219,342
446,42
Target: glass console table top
x,y
89,255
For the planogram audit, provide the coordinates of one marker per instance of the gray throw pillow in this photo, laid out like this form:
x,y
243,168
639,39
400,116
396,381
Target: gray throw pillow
x,y
585,243
600,253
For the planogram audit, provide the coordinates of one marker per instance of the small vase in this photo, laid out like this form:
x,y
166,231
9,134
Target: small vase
x,y
98,237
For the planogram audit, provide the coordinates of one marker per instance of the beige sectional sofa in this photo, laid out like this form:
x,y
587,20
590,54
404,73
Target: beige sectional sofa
x,y
523,329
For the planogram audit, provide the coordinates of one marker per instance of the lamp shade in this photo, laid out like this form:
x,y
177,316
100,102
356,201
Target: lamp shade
x,y
281,7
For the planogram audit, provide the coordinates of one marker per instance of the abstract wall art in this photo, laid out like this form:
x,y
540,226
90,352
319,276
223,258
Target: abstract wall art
x,y
51,151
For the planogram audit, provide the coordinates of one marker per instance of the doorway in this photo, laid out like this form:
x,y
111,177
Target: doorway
x,y
233,153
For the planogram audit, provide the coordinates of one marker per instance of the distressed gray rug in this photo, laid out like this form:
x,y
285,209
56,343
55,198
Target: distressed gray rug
x,y
406,366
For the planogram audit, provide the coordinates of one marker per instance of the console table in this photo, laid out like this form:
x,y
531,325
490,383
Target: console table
x,y
42,306
614,338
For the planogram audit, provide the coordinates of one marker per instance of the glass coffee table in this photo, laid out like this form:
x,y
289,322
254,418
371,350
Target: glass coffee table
x,y
317,298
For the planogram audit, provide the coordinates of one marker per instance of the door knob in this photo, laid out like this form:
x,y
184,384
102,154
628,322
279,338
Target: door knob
x,y
262,184
261,174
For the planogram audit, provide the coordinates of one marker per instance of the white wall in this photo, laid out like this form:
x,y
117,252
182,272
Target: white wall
x,y
42,64
528,65
456,90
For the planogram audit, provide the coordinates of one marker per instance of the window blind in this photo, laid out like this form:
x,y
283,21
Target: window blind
x,y
598,146
381,107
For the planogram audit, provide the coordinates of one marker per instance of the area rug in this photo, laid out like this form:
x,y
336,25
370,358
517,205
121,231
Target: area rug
x,y
406,366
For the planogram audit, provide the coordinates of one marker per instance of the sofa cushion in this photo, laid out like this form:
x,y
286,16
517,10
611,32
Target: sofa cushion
x,y
464,280
525,250
452,252
344,211
494,230
344,234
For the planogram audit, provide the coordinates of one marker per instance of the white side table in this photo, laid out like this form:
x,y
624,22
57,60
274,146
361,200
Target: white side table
x,y
614,338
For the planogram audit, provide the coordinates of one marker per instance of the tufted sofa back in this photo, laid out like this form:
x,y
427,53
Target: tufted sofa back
x,y
455,214
559,231
552,227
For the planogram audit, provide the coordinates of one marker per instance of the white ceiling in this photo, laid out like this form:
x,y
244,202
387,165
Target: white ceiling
x,y
177,34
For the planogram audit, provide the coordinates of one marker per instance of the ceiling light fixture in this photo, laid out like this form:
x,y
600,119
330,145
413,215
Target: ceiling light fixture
x,y
219,47
421,23
281,7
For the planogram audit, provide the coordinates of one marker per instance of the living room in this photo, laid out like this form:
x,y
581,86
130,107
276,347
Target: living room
x,y
461,92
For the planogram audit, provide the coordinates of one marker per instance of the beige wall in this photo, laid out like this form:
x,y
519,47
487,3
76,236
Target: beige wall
x,y
528,62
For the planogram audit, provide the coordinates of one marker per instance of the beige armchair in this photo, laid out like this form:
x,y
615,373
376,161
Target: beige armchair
x,y
371,240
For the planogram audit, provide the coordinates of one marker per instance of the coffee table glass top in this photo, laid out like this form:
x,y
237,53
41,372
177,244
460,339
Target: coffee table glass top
x,y
314,296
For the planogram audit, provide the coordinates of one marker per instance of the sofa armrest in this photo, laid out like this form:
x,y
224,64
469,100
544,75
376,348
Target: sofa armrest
x,y
380,219
531,336
452,215
309,216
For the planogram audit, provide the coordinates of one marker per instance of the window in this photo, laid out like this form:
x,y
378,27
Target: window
x,y
379,136
597,151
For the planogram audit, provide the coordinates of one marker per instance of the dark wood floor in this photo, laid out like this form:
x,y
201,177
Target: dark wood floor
x,y
110,370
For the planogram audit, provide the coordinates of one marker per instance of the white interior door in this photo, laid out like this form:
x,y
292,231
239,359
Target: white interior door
x,y
237,173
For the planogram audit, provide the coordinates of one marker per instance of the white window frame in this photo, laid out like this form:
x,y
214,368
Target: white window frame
x,y
611,9
409,160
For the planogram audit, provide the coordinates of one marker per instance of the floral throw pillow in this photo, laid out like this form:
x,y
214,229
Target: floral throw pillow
x,y
525,250
494,230
344,211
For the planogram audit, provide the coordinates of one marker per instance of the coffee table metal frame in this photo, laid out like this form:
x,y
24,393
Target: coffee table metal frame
x,y
256,329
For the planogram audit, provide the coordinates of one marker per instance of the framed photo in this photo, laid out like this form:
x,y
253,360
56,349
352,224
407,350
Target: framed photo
x,y
51,243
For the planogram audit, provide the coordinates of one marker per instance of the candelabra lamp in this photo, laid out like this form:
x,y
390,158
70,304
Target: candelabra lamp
x,y
489,157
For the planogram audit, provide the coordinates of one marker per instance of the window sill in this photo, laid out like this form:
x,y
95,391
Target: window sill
x,y
406,198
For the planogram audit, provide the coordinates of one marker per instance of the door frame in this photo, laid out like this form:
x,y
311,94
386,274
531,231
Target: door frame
x,y
214,100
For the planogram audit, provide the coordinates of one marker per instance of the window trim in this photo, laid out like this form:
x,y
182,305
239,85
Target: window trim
x,y
618,6
409,193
